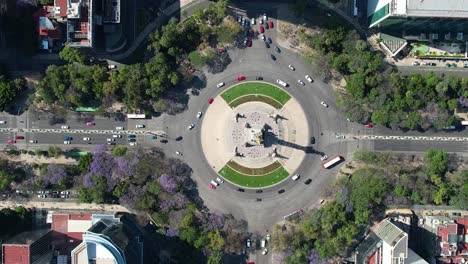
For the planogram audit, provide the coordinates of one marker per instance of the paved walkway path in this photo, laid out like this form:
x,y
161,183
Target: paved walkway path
x,y
65,206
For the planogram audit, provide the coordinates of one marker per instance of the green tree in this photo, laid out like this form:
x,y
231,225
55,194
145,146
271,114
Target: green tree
x,y
8,92
83,163
436,164
380,117
215,257
39,152
460,200
216,240
72,55
413,121
119,151
5,179
356,85
402,191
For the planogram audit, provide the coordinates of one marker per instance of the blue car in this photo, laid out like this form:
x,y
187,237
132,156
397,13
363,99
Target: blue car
x,y
68,138
267,45
277,49
273,57
153,137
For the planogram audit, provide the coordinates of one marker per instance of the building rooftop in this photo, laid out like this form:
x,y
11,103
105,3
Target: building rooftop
x,y
389,232
436,8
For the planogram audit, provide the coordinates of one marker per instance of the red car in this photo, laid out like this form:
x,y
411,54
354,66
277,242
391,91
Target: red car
x,y
210,101
221,50
262,29
19,137
90,123
241,78
250,262
270,24
249,43
11,141
369,125
212,187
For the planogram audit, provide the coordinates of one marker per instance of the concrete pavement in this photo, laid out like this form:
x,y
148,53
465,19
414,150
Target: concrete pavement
x,y
65,206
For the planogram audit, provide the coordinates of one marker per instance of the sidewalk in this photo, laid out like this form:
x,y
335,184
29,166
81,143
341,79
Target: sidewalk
x,y
65,206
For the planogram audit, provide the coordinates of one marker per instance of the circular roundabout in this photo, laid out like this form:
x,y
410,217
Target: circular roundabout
x,y
254,135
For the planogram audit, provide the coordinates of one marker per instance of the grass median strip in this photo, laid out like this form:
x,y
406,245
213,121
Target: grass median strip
x,y
255,98
253,181
252,88
254,171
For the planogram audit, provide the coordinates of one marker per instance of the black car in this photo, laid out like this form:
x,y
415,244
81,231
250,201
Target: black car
x,y
131,140
273,57
259,199
312,140
269,40
278,49
259,78
308,181
131,136
267,45
164,141
281,191
266,25
179,138
259,191
240,190
111,143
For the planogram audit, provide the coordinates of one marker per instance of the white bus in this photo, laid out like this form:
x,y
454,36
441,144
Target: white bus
x,y
136,116
332,162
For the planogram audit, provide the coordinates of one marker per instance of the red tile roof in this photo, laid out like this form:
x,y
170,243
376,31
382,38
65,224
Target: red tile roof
x,y
63,7
456,247
15,254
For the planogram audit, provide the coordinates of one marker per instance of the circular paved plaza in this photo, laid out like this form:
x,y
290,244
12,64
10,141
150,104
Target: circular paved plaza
x,y
254,139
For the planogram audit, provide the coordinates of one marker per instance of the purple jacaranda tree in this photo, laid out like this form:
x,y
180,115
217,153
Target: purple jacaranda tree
x,y
168,183
54,174
171,232
102,165
132,196
314,257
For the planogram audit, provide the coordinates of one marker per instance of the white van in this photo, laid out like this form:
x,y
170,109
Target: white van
x,y
281,83
263,242
295,177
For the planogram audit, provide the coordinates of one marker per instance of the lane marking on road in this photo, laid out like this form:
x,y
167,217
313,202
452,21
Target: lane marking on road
x,y
457,139
81,131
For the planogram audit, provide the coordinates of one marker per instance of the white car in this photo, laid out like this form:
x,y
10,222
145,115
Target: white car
x,y
291,68
190,127
199,114
265,17
140,126
86,139
219,180
133,143
324,157
214,183
295,177
32,141
112,66
64,192
219,85
64,127
110,139
265,251
119,128
117,136
248,242
67,142
268,237
178,153
252,21
263,37
281,83
309,79
261,21
2,122
301,82
324,104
